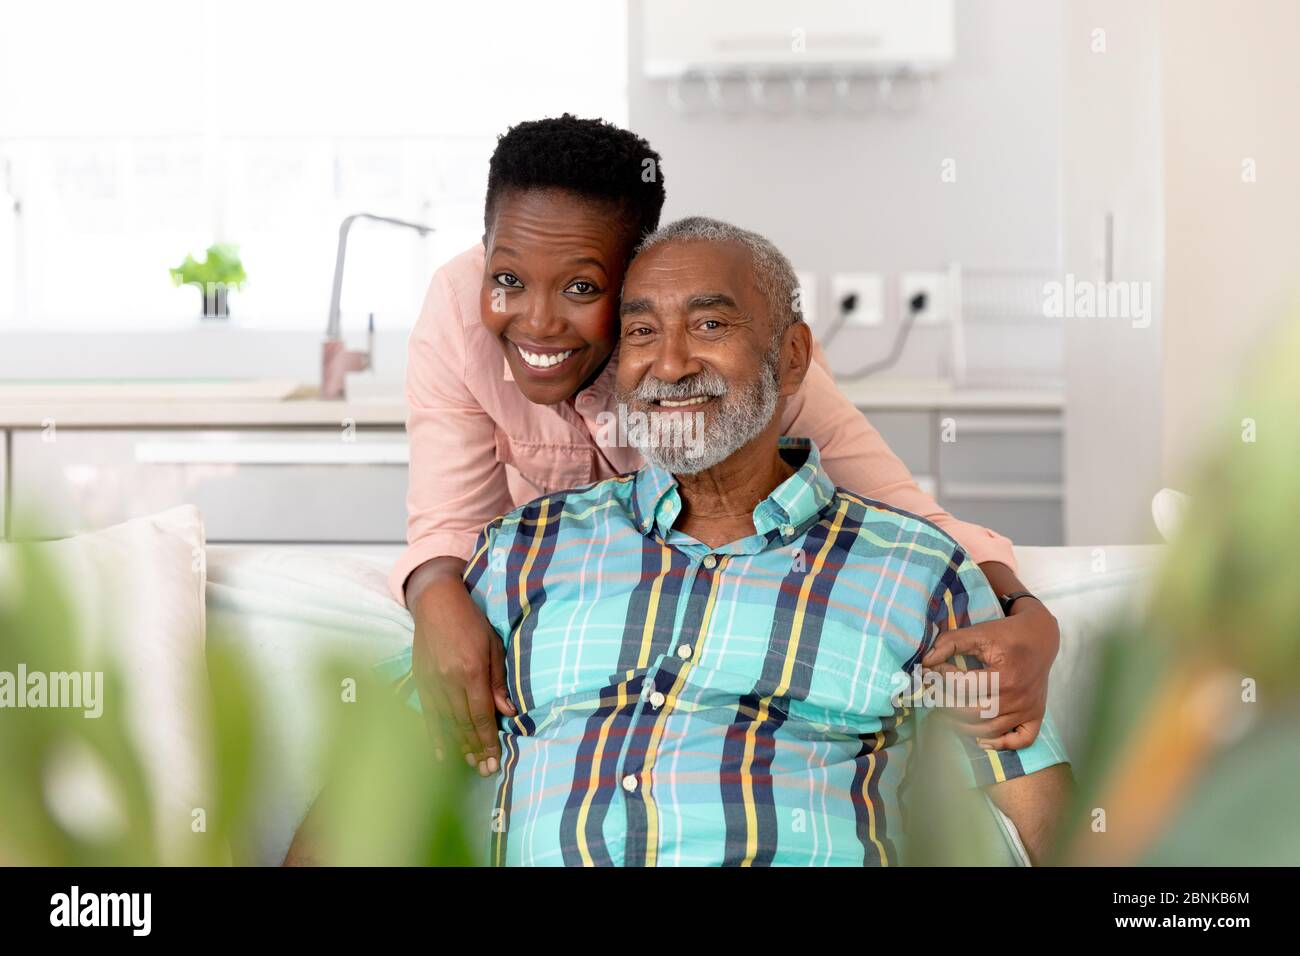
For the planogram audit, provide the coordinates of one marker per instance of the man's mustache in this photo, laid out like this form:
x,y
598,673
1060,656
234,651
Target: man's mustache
x,y
651,389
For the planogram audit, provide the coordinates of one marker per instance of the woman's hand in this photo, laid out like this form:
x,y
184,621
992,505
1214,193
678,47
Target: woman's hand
x,y
459,664
1021,648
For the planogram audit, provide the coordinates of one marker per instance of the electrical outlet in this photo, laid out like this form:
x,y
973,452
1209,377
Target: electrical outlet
x,y
807,296
935,287
868,288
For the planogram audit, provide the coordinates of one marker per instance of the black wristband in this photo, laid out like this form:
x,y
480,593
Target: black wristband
x,y
1006,600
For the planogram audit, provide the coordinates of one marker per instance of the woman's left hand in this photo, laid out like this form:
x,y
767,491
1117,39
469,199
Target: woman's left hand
x,y
1021,648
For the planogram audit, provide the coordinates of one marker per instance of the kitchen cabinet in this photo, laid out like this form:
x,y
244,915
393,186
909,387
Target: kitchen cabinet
x,y
335,473
251,485
999,468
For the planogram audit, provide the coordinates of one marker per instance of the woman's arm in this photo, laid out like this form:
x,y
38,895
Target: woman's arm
x,y
858,459
459,662
456,485
1020,647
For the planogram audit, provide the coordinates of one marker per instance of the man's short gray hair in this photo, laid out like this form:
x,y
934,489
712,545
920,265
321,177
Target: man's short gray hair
x,y
773,274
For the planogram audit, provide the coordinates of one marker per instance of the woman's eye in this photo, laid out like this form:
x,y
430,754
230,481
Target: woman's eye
x,y
582,287
508,280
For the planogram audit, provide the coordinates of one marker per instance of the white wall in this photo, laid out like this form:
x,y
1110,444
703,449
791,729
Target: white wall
x,y
1112,153
848,193
1232,75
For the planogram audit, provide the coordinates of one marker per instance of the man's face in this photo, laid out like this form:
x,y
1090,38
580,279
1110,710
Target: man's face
x,y
697,340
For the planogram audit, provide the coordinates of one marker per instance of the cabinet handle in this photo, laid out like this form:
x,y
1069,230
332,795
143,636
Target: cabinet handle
x,y
1002,491
271,453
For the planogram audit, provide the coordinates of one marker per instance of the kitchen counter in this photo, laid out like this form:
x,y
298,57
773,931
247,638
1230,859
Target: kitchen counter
x,y
269,404
885,395
279,404
268,460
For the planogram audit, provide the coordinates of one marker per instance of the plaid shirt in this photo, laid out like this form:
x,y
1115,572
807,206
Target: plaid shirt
x,y
681,704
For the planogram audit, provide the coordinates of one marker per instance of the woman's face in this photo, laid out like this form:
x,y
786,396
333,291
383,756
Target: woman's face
x,y
550,289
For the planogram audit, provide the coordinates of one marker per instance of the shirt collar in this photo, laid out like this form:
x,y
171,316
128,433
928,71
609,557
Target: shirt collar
x,y
791,506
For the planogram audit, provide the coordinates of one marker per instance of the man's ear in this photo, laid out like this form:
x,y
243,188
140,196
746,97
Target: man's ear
x,y
796,353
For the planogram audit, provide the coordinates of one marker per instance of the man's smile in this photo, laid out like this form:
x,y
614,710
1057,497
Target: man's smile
x,y
683,402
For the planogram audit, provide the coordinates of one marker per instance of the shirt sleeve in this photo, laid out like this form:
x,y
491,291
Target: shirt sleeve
x,y
456,484
485,571
857,458
962,598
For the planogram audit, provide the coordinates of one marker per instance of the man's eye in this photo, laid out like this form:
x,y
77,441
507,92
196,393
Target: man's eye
x,y
710,325
582,287
508,279
638,330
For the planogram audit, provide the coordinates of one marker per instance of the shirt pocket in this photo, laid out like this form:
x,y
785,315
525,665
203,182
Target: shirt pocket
x,y
546,466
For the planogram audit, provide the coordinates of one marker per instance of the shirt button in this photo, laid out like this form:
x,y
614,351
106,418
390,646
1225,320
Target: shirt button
x,y
684,652
656,699
788,530
629,783
710,561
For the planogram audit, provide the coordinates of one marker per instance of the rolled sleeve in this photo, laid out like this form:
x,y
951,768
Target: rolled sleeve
x,y
859,460
963,598
438,544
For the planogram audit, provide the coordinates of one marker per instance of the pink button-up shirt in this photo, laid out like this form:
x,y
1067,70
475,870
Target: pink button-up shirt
x,y
480,448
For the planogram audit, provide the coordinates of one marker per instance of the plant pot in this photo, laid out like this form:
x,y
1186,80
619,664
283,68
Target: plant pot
x,y
216,302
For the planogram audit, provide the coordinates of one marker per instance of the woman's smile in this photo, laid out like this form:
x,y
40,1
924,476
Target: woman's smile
x,y
545,360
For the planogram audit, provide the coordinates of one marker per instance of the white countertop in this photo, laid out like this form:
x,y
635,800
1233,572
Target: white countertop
x,y
886,395
258,405
196,404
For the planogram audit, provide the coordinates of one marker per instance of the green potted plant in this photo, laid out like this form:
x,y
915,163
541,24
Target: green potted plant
x,y
218,273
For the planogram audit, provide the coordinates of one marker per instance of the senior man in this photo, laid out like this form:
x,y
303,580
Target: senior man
x,y
710,649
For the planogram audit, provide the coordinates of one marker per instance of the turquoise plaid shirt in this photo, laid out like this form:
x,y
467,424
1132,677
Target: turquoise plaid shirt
x,y
681,704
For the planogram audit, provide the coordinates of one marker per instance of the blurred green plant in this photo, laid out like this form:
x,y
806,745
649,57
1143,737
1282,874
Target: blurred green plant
x,y
36,628
214,277
1194,728
1193,742
220,265
389,802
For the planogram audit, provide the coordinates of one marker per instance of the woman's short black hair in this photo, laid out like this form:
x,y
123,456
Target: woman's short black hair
x,y
588,157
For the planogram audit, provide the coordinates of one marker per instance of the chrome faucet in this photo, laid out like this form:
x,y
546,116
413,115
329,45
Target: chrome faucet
x,y
336,359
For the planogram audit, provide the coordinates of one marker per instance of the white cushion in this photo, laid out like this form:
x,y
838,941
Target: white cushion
x,y
285,610
1167,510
1087,589
136,593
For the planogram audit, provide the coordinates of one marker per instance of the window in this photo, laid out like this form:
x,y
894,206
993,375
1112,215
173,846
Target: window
x,y
132,134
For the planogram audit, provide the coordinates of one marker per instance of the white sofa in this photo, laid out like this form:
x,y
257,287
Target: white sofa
x,y
283,606
151,592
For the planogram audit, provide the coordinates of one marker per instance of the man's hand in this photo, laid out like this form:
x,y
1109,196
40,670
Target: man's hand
x,y
459,664
1021,649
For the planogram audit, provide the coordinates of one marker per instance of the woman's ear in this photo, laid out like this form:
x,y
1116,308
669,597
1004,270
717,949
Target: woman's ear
x,y
796,353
